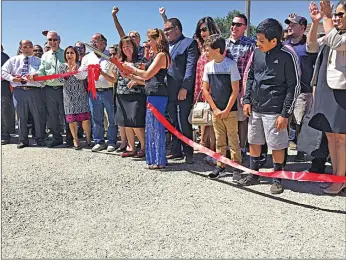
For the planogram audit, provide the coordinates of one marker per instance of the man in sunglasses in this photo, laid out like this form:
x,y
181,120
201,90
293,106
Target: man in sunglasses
x,y
239,48
81,51
180,85
50,62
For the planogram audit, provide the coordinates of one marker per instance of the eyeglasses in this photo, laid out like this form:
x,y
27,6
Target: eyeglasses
x,y
339,15
113,53
79,48
237,24
95,42
53,40
38,51
204,29
168,29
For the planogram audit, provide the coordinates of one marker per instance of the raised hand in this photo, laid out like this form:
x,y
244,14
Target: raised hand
x,y
292,15
162,11
326,8
115,10
315,14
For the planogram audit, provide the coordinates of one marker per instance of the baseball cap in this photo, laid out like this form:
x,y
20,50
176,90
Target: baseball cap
x,y
297,19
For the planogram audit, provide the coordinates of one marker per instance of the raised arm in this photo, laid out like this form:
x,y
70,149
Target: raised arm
x,y
162,12
312,44
326,10
116,22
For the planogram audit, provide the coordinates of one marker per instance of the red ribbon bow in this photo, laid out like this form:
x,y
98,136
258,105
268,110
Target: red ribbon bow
x,y
94,71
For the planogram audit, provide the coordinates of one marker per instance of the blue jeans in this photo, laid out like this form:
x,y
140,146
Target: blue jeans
x,y
103,100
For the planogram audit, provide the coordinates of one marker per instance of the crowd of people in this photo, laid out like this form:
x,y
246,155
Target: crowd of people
x,y
260,91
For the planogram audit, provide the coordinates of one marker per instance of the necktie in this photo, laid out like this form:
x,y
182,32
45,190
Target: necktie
x,y
25,69
56,60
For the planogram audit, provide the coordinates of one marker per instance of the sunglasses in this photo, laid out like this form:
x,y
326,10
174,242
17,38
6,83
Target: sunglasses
x,y
204,29
237,24
38,51
340,14
113,54
168,29
54,40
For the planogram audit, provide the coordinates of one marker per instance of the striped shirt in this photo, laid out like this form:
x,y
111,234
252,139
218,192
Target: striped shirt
x,y
14,66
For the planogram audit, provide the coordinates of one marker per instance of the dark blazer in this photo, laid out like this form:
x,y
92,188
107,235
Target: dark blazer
x,y
182,71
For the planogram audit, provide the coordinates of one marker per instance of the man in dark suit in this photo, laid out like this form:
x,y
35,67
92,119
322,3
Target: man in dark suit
x,y
180,81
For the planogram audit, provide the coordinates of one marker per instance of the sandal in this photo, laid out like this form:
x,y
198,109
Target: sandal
x,y
128,154
140,154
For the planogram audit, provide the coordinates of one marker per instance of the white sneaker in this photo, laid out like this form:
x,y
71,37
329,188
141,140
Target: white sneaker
x,y
98,147
110,148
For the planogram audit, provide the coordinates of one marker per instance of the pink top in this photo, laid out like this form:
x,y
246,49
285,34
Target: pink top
x,y
202,60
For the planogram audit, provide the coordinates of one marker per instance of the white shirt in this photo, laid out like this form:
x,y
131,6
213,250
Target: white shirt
x,y
105,65
13,67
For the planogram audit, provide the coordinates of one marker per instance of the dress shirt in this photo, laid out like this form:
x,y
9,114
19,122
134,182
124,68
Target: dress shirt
x,y
105,65
50,63
13,67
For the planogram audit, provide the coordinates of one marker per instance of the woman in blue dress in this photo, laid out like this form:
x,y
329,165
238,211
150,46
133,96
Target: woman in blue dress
x,y
156,91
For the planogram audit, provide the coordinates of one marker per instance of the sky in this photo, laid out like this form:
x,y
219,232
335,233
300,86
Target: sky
x,y
78,21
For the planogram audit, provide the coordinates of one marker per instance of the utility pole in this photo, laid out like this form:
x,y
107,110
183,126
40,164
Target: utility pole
x,y
247,13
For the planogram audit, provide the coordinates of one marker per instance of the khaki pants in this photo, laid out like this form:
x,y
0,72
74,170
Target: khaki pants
x,y
227,128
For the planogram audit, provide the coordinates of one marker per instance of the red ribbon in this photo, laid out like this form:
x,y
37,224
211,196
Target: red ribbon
x,y
54,76
290,175
119,65
94,71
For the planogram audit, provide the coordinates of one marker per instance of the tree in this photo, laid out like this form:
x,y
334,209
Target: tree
x,y
224,24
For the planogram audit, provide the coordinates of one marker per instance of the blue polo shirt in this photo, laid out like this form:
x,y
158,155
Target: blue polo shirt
x,y
306,62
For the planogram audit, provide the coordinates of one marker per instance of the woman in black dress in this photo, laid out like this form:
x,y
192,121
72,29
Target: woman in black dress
x,y
130,102
330,95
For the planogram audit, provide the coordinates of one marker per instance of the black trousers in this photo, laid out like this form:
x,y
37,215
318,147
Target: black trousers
x,y
55,109
178,113
7,117
30,101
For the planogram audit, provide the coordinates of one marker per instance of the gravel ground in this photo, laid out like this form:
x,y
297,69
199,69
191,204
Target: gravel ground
x,y
61,203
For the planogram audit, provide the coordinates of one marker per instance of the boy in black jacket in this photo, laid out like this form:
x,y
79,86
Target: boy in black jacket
x,y
272,86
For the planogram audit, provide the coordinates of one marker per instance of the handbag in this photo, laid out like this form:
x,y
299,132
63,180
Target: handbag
x,y
201,113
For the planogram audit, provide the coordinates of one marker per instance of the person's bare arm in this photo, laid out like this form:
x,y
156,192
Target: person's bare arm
x,y
158,63
162,12
326,10
117,23
108,77
312,44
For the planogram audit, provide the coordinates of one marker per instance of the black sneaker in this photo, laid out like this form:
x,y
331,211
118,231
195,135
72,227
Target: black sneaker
x,y
217,173
263,160
300,157
236,174
249,180
276,188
